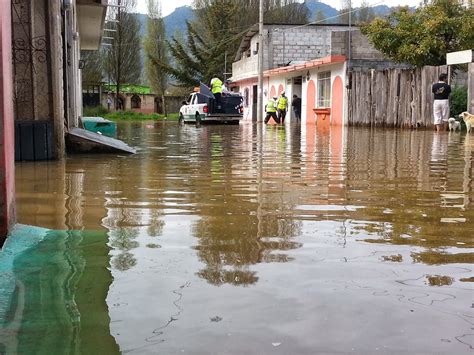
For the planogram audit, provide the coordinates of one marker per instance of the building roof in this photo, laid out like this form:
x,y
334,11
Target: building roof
x,y
307,65
91,20
297,67
130,89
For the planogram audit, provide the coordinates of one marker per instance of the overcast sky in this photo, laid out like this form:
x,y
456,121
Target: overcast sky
x,y
168,6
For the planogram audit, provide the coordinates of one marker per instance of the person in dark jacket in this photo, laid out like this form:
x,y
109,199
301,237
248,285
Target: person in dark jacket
x,y
296,105
441,91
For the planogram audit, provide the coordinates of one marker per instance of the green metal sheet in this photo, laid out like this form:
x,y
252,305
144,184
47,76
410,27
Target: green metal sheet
x,y
100,125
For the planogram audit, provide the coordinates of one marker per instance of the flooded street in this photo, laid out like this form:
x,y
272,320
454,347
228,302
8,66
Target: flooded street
x,y
235,240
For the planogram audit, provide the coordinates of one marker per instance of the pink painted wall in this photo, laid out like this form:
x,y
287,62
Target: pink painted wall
x,y
310,102
337,101
7,134
272,92
280,89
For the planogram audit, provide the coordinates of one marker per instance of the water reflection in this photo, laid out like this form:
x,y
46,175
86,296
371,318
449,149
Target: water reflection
x,y
123,241
380,217
52,293
248,185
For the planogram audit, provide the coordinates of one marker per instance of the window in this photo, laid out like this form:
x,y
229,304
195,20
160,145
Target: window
x,y
324,89
246,97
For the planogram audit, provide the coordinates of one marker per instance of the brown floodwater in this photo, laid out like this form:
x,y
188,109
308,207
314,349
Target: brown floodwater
x,y
236,240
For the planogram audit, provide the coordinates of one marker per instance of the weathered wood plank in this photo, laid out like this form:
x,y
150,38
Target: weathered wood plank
x,y
393,97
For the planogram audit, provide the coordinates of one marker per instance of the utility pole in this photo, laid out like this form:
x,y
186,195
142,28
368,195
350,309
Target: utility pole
x,y
260,66
119,54
350,35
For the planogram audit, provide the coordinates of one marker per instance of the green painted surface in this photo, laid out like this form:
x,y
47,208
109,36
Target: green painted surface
x,y
100,125
129,89
53,287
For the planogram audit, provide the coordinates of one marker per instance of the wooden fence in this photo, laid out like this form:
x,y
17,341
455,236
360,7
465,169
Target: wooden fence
x,y
392,97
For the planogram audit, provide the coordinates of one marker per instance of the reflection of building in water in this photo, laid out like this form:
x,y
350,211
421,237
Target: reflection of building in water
x,y
402,179
230,238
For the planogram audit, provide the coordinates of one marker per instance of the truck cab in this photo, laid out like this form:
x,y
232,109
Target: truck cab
x,y
201,109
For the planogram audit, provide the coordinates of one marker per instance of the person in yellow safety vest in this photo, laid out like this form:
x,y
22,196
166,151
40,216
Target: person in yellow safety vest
x,y
216,88
271,109
282,107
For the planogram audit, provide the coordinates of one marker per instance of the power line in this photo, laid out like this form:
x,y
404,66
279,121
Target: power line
x,y
332,17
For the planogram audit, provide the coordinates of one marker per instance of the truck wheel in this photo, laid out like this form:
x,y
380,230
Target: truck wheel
x,y
181,119
198,119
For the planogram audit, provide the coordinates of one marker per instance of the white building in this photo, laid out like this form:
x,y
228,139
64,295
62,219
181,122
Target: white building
x,y
309,61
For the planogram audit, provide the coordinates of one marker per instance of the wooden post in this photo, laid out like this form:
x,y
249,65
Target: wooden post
x,y
470,88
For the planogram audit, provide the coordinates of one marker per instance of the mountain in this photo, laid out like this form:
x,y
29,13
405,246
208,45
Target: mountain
x,y
382,10
314,6
142,19
176,21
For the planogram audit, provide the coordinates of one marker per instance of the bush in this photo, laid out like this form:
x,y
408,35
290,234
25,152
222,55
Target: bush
x,y
139,116
458,100
97,111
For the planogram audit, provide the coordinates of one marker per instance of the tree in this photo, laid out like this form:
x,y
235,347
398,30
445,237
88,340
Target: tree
x,y
217,31
155,47
122,58
425,36
345,12
320,17
365,13
93,69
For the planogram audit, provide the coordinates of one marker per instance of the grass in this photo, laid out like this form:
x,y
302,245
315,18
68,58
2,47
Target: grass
x,y
98,111
127,115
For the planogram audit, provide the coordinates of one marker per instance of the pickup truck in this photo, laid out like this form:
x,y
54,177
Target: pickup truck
x,y
200,108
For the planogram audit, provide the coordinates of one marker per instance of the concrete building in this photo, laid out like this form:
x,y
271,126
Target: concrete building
x,y
40,81
47,38
312,62
138,98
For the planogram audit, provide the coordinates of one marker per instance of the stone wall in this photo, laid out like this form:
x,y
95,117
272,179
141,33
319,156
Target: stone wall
x,y
298,44
362,54
38,65
284,44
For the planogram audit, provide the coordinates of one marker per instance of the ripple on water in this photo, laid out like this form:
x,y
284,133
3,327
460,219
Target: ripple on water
x,y
292,230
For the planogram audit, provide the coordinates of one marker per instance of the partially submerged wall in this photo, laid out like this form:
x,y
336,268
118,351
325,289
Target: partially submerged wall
x,y
7,167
